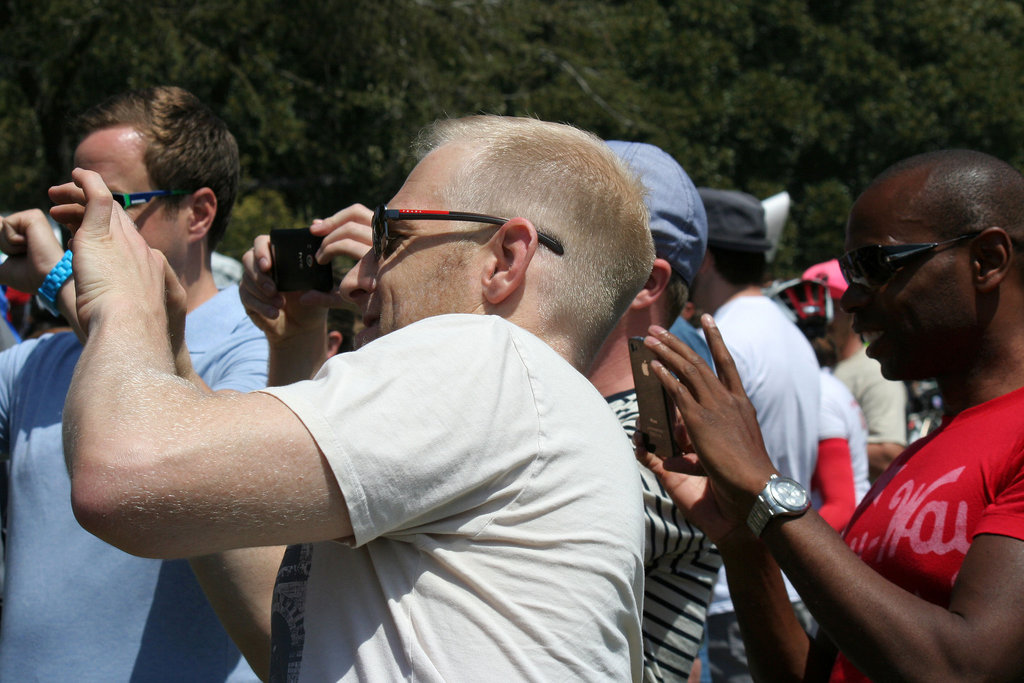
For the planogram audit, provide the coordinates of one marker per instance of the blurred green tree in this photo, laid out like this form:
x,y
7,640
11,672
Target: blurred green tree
x,y
324,97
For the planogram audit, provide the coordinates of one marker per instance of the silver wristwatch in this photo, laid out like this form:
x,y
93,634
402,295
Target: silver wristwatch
x,y
781,496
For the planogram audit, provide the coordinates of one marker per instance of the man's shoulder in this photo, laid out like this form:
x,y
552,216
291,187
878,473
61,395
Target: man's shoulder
x,y
220,321
1001,412
466,335
228,351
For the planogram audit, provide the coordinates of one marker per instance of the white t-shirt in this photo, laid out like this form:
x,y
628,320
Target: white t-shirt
x,y
841,418
497,516
779,372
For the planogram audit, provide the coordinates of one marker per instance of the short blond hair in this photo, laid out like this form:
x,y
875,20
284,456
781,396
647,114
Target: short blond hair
x,y
572,186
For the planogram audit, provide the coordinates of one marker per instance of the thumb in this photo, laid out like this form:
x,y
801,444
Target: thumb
x,y
99,203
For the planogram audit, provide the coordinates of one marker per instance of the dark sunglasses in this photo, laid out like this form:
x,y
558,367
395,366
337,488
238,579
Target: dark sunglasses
x,y
383,240
874,265
134,198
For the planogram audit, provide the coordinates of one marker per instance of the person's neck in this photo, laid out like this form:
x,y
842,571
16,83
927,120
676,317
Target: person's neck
x,y
990,373
611,372
199,288
523,313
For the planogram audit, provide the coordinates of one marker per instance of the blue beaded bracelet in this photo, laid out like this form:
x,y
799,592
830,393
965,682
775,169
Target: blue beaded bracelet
x,y
55,279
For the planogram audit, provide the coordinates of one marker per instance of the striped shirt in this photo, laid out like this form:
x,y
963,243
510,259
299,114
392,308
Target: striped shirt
x,y
681,565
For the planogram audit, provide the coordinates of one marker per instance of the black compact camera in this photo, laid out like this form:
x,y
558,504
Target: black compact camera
x,y
295,266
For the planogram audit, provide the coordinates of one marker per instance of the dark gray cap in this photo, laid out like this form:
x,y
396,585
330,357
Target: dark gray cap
x,y
735,221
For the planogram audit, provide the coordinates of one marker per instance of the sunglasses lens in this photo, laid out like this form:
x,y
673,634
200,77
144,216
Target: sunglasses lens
x,y
866,266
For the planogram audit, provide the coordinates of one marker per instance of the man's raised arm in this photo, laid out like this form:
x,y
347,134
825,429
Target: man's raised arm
x,y
295,323
886,631
160,468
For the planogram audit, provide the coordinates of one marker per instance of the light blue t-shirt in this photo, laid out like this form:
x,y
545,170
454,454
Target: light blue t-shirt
x,y
692,338
76,608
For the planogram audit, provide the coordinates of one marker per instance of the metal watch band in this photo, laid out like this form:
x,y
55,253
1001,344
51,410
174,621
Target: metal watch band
x,y
761,512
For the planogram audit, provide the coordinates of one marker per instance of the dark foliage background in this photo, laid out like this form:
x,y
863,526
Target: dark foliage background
x,y
324,97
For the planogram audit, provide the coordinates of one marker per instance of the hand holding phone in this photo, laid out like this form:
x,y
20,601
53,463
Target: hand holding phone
x,y
655,422
295,267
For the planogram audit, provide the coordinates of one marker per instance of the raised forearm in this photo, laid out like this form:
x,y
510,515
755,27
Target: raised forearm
x,y
887,632
776,645
125,359
116,412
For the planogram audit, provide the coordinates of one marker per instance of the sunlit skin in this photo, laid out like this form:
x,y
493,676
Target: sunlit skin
x,y
428,282
117,155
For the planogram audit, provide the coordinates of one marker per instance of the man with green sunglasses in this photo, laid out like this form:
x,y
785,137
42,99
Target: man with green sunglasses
x,y
76,607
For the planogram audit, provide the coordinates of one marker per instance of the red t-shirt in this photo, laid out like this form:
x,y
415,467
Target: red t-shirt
x,y
916,523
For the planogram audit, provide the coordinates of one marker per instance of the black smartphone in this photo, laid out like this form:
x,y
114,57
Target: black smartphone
x,y
655,421
295,267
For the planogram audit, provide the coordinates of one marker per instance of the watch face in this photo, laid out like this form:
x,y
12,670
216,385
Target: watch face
x,y
790,494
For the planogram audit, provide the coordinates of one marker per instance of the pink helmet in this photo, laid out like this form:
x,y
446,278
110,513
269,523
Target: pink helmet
x,y
829,273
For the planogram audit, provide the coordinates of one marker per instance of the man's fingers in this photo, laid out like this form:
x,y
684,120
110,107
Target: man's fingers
x,y
346,233
12,240
68,214
677,345
682,395
355,249
726,366
257,263
99,204
683,373
87,188
355,213
69,204
67,193
261,254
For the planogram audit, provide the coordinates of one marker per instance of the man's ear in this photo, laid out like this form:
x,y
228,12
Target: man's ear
x,y
655,286
990,254
334,339
203,211
509,254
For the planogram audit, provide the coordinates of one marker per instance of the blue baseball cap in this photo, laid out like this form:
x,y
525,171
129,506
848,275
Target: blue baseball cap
x,y
678,222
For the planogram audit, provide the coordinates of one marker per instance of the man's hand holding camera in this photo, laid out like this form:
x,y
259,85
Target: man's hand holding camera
x,y
116,273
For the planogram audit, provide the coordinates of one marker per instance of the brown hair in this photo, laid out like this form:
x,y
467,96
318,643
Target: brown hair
x,y
187,146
